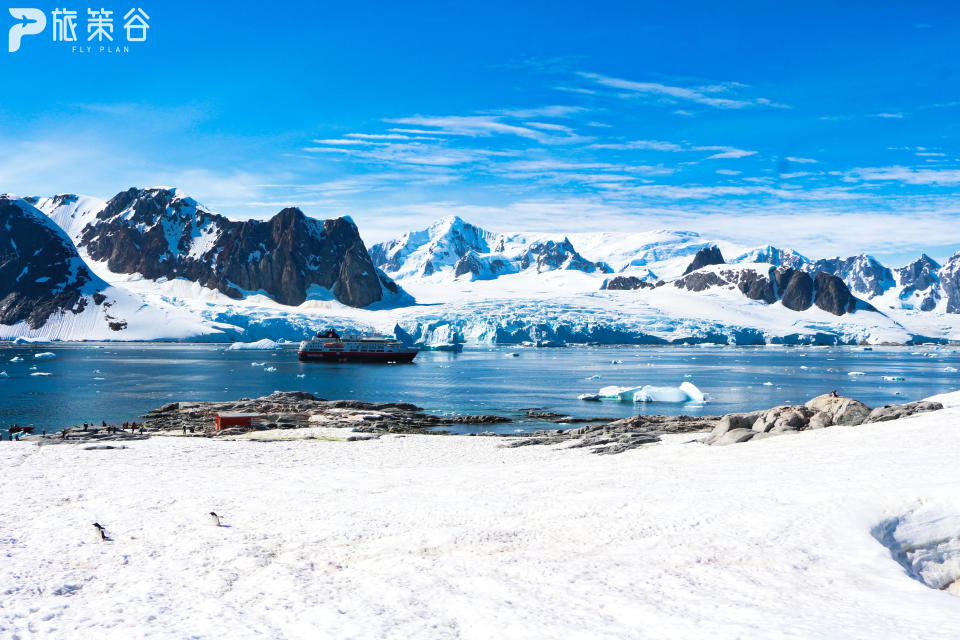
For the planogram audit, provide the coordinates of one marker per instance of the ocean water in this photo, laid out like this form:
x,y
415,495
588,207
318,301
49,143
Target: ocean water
x,y
119,382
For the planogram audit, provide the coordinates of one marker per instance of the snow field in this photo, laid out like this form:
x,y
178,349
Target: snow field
x,y
455,537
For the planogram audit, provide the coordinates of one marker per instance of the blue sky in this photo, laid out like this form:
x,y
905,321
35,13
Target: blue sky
x,y
829,129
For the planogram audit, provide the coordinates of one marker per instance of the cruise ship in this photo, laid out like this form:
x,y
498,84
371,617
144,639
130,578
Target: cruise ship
x,y
330,347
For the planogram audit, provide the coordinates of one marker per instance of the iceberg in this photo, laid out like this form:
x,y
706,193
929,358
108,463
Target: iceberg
x,y
45,354
270,369
589,397
894,378
257,364
949,369
3,374
856,373
614,392
16,359
255,346
686,392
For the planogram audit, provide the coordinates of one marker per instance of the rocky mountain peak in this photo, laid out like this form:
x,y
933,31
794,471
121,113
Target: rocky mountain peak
x,y
705,257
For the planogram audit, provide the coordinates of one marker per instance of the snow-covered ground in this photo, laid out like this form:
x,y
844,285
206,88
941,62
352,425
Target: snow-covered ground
x,y
456,537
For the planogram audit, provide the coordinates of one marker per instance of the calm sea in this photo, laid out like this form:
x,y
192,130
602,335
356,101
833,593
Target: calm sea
x,y
119,382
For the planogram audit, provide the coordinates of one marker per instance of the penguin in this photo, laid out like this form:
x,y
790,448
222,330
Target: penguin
x,y
834,394
215,519
100,531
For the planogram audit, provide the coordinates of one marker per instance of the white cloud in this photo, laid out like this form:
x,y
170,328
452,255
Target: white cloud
x,y
801,160
907,175
710,95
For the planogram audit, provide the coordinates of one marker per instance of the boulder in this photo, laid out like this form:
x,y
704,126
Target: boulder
x,y
820,420
735,435
734,421
897,411
842,411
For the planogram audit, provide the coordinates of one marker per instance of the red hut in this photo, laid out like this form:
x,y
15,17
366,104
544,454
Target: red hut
x,y
245,420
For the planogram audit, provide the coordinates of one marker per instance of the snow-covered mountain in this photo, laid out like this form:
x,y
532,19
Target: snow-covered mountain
x,y
47,290
161,234
210,277
451,248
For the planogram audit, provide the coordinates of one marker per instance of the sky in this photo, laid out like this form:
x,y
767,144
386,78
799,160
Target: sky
x,y
828,129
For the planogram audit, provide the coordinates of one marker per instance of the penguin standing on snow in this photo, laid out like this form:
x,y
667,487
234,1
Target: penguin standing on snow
x,y
214,519
101,533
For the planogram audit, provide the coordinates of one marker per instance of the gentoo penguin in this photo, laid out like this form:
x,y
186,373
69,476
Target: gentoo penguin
x,y
100,531
215,519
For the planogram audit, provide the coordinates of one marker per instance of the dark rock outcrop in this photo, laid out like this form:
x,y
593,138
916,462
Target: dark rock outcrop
x,y
700,281
40,270
832,294
705,257
160,234
625,283
795,288
551,255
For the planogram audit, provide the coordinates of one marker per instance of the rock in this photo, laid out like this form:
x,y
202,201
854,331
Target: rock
x,y
705,257
735,421
795,287
735,435
842,411
896,411
865,275
832,294
700,281
820,420
625,283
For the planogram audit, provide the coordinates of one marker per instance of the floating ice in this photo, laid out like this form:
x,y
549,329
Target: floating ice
x,y
590,397
513,355
856,373
45,354
949,369
301,375
686,392
258,345
39,373
894,378
270,369
597,377
803,366
16,359
3,374
614,392
257,364
768,384
616,362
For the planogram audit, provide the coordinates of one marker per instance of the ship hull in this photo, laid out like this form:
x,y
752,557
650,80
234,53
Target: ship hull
x,y
356,356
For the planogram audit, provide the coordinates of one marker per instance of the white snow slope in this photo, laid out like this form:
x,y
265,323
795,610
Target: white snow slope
x,y
455,537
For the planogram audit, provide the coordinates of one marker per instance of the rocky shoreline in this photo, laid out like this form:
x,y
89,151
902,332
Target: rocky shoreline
x,y
603,435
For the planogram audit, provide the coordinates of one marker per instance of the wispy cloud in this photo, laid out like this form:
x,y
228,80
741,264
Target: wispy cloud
x,y
718,96
906,175
722,152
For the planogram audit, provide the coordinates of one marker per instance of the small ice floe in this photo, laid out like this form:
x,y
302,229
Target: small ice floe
x,y
16,359
39,373
98,378
45,354
686,392
949,369
301,375
857,373
589,397
594,377
687,375
254,346
894,378
33,368
768,384
3,374
513,355
257,364
270,369
803,366
616,362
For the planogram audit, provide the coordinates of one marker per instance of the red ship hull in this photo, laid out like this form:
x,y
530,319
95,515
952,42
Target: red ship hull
x,y
355,356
